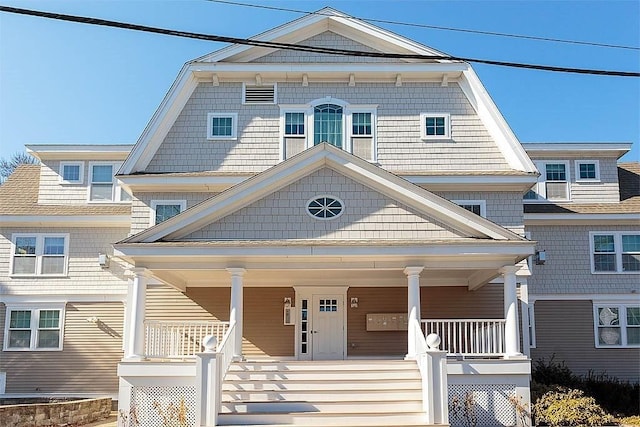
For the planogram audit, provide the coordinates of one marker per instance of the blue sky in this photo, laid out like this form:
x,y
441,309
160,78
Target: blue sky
x,y
69,83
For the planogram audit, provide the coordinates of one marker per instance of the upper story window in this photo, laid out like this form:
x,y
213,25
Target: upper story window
x,y
617,252
102,184
222,125
349,127
71,172
587,170
478,207
39,254
325,207
435,126
162,210
29,328
553,183
617,325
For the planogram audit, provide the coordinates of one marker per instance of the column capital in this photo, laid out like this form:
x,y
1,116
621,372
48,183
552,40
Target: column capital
x,y
413,270
510,269
236,271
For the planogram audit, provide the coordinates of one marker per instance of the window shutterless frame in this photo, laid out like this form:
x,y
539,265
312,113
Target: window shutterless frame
x,y
222,126
587,170
614,252
554,178
434,126
179,206
99,184
478,207
71,172
616,325
36,327
39,255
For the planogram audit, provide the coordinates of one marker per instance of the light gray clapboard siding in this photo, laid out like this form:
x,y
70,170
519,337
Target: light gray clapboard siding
x,y
87,363
141,205
326,39
568,266
84,272
364,211
504,208
186,149
564,332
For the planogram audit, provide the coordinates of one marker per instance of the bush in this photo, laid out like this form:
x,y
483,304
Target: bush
x,y
617,397
567,407
630,421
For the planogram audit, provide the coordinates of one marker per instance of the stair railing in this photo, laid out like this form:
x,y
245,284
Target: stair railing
x,y
211,367
432,363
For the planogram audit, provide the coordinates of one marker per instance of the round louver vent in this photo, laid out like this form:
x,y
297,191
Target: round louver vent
x,y
325,207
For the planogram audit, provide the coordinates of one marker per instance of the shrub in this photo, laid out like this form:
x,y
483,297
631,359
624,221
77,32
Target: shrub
x,y
630,421
567,407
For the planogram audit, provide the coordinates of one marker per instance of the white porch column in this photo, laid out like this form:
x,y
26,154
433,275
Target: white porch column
x,y
136,302
235,312
413,305
510,311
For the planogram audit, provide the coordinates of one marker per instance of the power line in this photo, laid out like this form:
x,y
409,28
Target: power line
x,y
432,27
287,46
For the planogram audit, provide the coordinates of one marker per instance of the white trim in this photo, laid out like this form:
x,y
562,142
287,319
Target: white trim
x,y
481,203
39,255
617,241
373,110
154,204
600,298
580,218
607,149
308,115
423,126
80,179
540,188
577,164
622,323
34,326
532,324
69,152
234,126
119,221
63,299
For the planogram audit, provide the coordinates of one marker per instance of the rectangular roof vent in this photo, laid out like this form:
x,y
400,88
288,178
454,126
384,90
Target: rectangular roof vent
x,y
264,94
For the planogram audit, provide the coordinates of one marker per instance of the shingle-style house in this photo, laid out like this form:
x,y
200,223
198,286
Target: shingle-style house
x,y
293,229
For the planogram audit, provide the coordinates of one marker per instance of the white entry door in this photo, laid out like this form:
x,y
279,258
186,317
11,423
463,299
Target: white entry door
x,y
327,327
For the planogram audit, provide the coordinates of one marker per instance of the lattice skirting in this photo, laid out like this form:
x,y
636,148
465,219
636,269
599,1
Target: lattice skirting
x,y
481,405
162,406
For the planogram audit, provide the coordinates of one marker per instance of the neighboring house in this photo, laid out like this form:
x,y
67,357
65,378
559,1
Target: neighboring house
x,y
302,206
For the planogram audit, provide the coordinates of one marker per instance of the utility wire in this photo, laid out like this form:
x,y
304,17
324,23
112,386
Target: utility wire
x,y
287,46
433,27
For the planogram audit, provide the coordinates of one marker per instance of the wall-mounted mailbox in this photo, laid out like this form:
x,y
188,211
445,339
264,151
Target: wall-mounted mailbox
x,y
387,322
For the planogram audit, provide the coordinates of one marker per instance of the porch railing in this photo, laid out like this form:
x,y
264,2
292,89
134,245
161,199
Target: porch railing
x,y
179,339
468,337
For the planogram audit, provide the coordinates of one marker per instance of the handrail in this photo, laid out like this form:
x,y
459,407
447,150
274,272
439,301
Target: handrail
x,y
469,337
168,339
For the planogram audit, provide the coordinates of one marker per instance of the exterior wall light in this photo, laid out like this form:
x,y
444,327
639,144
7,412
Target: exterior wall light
x,y
541,257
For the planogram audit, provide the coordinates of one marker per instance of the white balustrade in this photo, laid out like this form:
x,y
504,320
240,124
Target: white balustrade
x,y
469,337
179,339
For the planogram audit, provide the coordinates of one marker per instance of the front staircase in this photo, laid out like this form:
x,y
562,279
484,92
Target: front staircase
x,y
322,393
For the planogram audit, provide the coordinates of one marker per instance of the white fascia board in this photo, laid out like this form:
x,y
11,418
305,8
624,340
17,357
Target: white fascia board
x,y
231,250
161,182
609,149
161,122
495,123
475,182
118,221
79,151
232,67
580,218
597,298
44,299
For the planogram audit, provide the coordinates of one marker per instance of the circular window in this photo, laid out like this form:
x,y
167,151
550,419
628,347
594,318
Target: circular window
x,y
325,207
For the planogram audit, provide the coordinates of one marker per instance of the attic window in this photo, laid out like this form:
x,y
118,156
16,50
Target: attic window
x,y
325,207
264,94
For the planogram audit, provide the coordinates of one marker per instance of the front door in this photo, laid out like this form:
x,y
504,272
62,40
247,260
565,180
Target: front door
x,y
327,327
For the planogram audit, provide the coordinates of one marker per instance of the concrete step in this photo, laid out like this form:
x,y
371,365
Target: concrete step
x,y
304,419
335,407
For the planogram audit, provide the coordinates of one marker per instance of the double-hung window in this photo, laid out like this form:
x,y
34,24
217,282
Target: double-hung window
x,y
29,328
102,184
294,123
222,126
435,126
71,172
362,127
615,252
553,183
162,210
39,254
617,325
